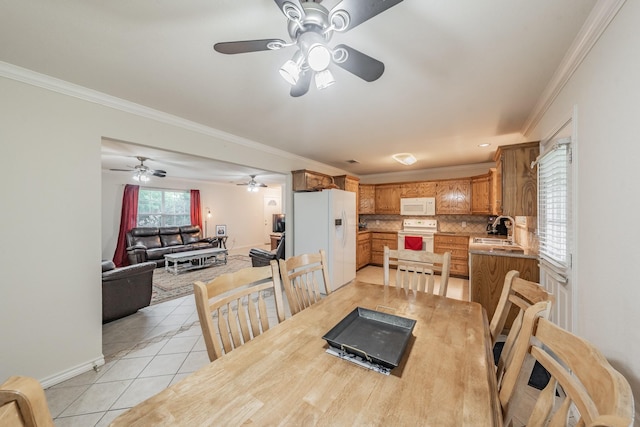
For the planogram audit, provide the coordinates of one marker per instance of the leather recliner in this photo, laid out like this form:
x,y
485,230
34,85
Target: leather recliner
x,y
125,290
261,257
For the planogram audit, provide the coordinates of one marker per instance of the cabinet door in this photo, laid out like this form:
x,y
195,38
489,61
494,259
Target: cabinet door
x,y
418,189
481,195
453,197
367,196
388,199
519,180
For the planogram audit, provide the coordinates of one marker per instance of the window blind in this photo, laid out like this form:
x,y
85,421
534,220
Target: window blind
x,y
554,203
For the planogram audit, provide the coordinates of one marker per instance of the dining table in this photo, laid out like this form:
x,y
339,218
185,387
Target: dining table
x,y
285,376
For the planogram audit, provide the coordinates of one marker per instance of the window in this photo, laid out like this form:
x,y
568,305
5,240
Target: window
x,y
162,208
554,192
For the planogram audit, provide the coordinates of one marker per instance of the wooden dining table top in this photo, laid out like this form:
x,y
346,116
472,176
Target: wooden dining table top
x,y
446,376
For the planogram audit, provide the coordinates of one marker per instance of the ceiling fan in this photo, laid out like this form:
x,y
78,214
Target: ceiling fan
x,y
253,185
311,26
142,172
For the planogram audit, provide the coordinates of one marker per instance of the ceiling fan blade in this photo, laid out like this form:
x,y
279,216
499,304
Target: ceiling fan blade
x,y
358,63
159,173
283,5
362,10
231,48
303,84
121,170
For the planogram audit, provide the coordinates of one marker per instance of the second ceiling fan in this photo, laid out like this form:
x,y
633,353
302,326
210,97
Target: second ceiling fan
x,y
311,26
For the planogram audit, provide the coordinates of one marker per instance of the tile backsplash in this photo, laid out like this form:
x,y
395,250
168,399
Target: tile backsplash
x,y
446,223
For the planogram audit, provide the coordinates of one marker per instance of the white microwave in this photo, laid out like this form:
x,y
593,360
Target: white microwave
x,y
418,206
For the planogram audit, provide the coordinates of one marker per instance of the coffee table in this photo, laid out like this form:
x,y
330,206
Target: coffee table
x,y
191,260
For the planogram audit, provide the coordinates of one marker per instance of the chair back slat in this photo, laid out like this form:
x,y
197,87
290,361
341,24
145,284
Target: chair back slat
x,y
300,276
581,377
415,270
238,301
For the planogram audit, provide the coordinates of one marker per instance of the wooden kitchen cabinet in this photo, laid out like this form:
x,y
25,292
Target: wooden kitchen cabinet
x,y
305,180
363,249
487,278
347,182
483,194
367,199
417,189
388,199
459,248
517,181
453,197
378,241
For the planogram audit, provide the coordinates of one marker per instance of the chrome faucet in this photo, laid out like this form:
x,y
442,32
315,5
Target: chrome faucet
x,y
510,228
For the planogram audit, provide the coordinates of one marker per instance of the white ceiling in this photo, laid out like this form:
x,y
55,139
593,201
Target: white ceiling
x,y
457,73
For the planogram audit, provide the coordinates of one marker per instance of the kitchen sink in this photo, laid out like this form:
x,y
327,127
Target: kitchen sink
x,y
492,241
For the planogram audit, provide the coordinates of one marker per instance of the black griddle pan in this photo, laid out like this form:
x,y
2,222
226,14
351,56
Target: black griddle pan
x,y
377,337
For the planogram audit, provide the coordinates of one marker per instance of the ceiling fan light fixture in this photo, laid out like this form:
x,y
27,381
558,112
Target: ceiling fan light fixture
x,y
318,57
140,176
290,71
404,158
324,79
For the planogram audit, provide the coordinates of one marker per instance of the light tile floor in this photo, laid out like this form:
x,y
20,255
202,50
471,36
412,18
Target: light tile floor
x,y
147,352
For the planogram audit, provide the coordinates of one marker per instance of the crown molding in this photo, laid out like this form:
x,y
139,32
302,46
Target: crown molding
x,y
53,84
597,22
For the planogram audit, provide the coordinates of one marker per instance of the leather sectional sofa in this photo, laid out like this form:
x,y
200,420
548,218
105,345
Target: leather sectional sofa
x,y
152,243
125,290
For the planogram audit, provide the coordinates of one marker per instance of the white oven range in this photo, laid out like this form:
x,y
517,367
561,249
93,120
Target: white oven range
x,y
424,228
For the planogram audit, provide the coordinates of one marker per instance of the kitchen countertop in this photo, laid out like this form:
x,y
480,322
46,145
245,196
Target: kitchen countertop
x,y
497,250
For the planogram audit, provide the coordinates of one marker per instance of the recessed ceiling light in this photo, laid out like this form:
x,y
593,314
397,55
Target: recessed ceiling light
x,y
486,144
404,158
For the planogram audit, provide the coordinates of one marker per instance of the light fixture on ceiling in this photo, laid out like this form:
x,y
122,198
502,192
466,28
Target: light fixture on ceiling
x,y
405,158
484,144
311,26
252,187
141,176
324,79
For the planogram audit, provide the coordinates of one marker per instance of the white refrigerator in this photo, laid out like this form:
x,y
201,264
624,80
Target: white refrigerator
x,y
327,220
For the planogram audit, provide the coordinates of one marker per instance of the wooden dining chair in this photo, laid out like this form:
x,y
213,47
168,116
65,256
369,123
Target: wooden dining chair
x,y
523,294
519,292
581,378
300,278
23,403
237,301
415,270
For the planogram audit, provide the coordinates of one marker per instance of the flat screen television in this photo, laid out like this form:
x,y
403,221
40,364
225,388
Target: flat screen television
x,y
278,223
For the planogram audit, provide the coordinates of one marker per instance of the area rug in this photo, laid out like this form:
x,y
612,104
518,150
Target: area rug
x,y
168,286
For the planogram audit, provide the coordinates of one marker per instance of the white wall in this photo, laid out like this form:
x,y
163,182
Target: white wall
x,y
606,91
231,205
50,221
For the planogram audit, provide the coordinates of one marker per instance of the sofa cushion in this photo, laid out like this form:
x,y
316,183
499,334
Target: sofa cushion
x,y
159,253
190,234
146,236
170,236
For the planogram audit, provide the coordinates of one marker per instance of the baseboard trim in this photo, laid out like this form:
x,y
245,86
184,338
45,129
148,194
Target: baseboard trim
x,y
72,372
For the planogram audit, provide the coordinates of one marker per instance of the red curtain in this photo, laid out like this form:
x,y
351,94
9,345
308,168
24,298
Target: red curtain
x,y
196,212
128,220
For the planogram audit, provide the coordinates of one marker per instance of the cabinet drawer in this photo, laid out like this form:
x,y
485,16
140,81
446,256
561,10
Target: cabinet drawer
x,y
379,244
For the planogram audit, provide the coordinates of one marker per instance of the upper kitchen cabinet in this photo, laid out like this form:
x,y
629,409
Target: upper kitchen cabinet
x,y
483,194
518,194
305,180
347,182
367,199
453,197
417,189
388,199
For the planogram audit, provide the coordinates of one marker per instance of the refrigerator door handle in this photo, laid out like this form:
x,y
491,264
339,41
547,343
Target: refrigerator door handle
x,y
344,228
